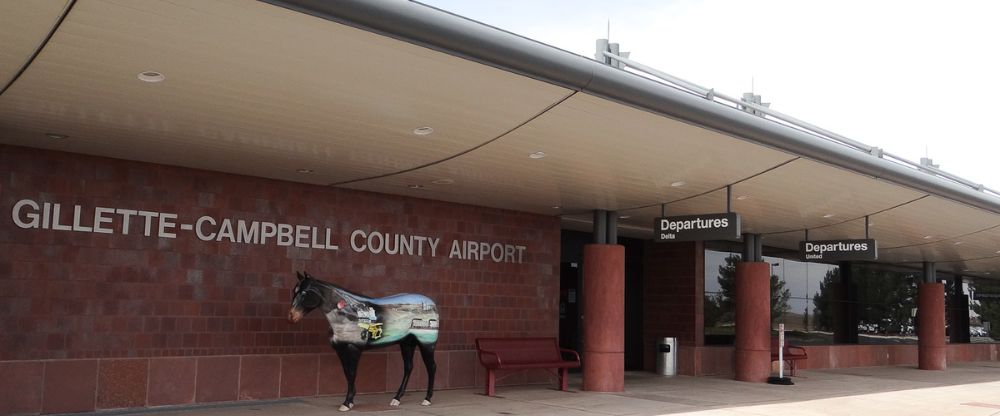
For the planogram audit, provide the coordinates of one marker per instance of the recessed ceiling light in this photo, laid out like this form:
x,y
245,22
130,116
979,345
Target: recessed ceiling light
x,y
423,131
624,217
678,184
966,270
742,197
415,186
559,207
56,136
304,170
998,251
151,76
958,243
928,237
537,155
828,216
443,181
987,273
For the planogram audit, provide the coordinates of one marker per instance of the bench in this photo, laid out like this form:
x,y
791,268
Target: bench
x,y
523,354
791,354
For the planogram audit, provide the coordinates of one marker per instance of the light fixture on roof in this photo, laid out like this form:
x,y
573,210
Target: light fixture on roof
x,y
423,131
56,136
304,170
151,76
678,184
537,155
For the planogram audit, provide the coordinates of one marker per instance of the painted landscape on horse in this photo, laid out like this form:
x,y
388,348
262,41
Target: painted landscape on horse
x,y
384,321
359,322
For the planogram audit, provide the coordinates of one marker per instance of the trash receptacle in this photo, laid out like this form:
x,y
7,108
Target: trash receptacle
x,y
666,356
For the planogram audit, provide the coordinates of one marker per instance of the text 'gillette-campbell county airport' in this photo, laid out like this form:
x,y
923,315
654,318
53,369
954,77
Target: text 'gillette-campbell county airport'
x,y
166,168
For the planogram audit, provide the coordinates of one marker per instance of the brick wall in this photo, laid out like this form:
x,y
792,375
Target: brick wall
x,y
68,295
673,296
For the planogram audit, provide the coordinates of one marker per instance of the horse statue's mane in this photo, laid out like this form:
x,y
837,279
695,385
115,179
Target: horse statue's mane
x,y
349,297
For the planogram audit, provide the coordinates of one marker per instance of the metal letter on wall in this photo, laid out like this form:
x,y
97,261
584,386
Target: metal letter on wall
x,y
724,226
839,250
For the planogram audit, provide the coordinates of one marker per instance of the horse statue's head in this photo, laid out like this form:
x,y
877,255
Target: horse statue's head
x,y
306,296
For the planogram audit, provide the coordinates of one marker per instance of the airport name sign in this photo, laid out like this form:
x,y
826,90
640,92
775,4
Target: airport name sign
x,y
37,215
837,250
725,226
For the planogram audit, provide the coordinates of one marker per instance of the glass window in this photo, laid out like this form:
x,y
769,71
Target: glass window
x,y
984,319
886,305
720,271
800,299
794,285
813,300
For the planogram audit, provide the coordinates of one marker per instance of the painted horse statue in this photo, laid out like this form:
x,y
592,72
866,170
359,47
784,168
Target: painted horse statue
x,y
358,323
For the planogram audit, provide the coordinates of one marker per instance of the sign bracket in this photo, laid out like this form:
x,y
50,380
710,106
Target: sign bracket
x,y
729,199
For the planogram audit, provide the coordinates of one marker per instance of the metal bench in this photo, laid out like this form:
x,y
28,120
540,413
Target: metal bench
x,y
791,354
523,354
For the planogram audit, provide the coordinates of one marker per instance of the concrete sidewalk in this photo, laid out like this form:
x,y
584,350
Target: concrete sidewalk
x,y
964,389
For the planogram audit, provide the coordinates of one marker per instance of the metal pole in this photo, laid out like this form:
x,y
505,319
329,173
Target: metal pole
x,y
697,89
729,198
612,232
600,226
748,247
930,272
705,92
866,227
807,295
781,350
758,248
801,125
602,47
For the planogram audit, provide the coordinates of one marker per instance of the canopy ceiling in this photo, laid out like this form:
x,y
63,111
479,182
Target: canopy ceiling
x,y
256,89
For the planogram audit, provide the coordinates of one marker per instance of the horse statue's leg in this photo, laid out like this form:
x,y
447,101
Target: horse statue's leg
x,y
427,353
406,347
349,356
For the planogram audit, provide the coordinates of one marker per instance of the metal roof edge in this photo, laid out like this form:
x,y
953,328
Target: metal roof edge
x,y
456,35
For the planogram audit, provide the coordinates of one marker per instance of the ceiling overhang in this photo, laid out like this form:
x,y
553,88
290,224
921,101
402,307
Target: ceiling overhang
x,y
339,91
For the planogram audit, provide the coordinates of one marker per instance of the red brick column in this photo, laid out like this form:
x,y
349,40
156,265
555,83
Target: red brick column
x,y
603,317
931,349
753,321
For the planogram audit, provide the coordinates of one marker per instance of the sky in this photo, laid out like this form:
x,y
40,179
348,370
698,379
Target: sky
x,y
916,78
